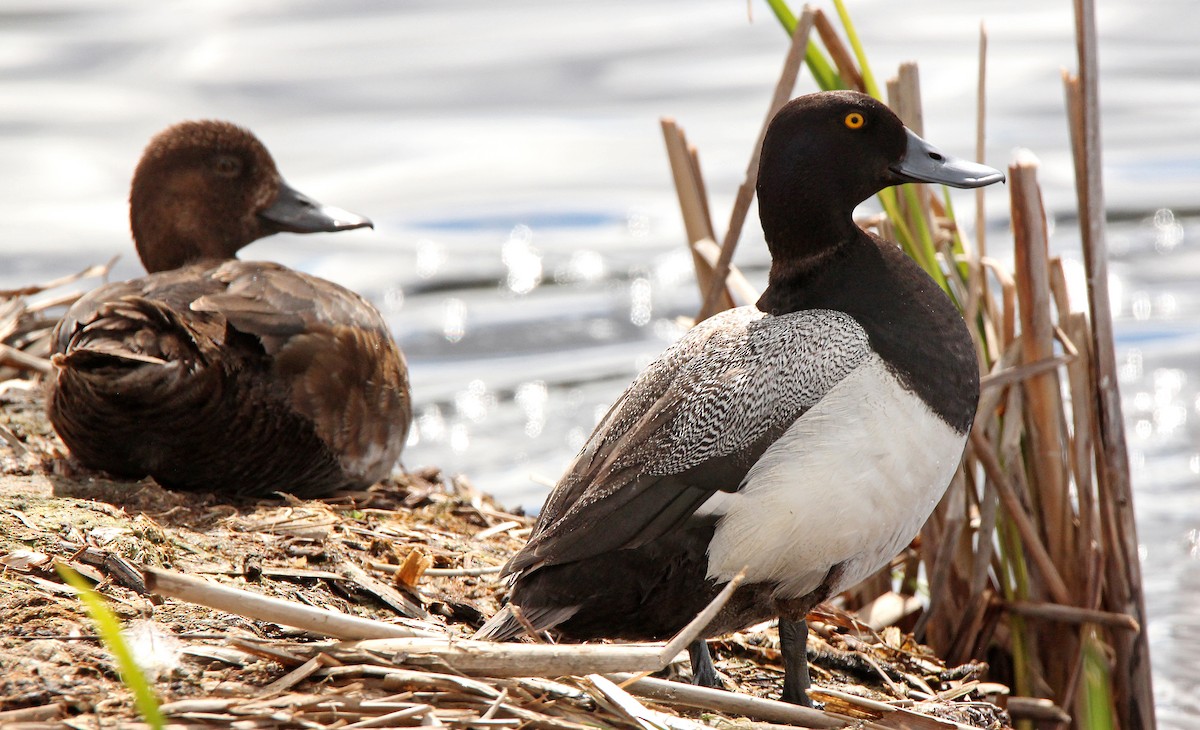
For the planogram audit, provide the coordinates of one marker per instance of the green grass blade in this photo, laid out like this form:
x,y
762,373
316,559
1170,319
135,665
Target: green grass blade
x,y
1097,701
956,241
856,46
109,628
821,68
924,239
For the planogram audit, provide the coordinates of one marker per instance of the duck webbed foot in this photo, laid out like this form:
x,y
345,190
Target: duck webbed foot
x,y
793,645
704,673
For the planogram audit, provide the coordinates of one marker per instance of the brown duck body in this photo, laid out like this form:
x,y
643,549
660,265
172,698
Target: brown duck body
x,y
237,377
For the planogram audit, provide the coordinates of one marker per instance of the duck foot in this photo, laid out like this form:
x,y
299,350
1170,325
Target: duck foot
x,y
793,645
704,673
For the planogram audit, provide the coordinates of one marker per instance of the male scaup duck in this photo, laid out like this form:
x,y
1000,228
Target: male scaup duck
x,y
806,439
215,374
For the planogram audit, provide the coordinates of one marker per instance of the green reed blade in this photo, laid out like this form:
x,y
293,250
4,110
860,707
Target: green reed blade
x,y
109,628
822,69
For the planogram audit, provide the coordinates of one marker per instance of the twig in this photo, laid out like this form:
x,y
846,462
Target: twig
x,y
842,58
465,572
636,711
850,699
22,360
1135,704
265,608
41,713
94,270
1073,614
1033,542
689,188
13,442
1036,708
693,630
391,717
486,658
729,702
734,279
491,659
1018,373
292,678
496,530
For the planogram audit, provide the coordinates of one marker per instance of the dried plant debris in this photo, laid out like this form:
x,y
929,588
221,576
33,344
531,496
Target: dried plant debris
x,y
420,554
415,558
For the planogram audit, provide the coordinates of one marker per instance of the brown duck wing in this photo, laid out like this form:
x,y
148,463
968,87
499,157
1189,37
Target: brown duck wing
x,y
143,320
333,351
692,424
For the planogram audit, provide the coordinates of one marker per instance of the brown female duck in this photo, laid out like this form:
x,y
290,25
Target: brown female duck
x,y
216,374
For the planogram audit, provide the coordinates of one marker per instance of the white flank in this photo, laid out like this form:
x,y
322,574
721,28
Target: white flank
x,y
851,481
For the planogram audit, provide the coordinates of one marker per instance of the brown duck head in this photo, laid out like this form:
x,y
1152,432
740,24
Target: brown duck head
x,y
205,189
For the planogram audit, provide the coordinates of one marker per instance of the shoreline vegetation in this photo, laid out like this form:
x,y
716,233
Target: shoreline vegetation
x,y
1031,560
356,611
1023,591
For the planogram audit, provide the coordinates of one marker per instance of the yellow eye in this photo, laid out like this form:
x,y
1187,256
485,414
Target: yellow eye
x,y
854,120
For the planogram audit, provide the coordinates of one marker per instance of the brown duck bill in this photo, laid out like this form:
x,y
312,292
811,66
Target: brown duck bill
x,y
922,162
295,212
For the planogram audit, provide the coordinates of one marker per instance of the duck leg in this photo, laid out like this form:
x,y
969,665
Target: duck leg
x,y
704,673
793,645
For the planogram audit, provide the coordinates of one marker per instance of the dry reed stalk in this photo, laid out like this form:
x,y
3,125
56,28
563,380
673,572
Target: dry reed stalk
x,y
692,201
745,194
1019,513
1032,551
21,360
1008,291
730,702
981,146
1045,430
739,286
491,659
1072,615
475,658
25,326
842,58
1122,569
265,608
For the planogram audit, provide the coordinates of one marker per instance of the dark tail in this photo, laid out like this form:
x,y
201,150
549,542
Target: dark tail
x,y
505,624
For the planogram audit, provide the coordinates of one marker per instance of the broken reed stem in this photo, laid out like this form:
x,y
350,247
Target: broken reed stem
x,y
1135,705
734,703
265,608
1043,404
696,626
1008,292
737,283
1073,615
1020,373
745,193
689,188
478,658
498,659
841,55
1016,511
100,270
22,360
